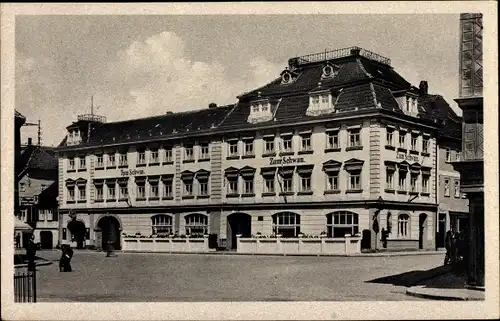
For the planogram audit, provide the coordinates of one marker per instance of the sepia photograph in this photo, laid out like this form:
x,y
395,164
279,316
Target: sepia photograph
x,y
242,158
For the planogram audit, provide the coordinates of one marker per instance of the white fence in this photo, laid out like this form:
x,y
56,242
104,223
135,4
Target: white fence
x,y
170,244
278,245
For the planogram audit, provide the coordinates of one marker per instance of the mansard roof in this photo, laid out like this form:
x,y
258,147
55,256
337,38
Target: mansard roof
x,y
364,81
353,68
142,129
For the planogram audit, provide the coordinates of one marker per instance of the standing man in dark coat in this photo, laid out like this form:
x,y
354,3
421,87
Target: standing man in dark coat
x,y
30,253
18,240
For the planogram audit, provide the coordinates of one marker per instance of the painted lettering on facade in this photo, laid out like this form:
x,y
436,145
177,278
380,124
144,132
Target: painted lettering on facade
x,y
286,160
409,158
132,172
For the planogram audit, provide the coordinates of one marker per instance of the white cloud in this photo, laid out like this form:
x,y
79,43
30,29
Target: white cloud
x,y
155,76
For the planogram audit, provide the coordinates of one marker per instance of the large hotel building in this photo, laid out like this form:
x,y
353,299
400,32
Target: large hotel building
x,y
339,143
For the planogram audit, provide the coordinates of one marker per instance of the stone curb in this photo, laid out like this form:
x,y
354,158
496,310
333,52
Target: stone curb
x,y
36,264
416,291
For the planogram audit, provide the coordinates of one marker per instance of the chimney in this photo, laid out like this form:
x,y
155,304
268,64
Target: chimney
x,y
30,141
355,51
424,88
212,105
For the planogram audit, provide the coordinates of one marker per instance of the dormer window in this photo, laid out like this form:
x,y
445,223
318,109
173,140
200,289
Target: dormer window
x,y
286,78
329,70
260,111
320,103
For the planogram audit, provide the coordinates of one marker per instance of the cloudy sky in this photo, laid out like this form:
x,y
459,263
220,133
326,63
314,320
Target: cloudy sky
x,y
137,66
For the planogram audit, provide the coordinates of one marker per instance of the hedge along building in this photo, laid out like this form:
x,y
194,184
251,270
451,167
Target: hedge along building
x,y
339,143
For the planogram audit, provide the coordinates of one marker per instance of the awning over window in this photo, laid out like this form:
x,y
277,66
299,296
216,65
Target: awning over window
x,y
415,168
390,166
231,172
403,166
123,181
168,177
426,171
247,171
187,175
268,171
332,166
110,181
154,179
305,169
202,174
81,181
286,171
354,165
20,225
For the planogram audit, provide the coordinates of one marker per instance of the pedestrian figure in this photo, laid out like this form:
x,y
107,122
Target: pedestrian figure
x,y
384,238
65,261
18,240
30,253
454,247
110,249
448,244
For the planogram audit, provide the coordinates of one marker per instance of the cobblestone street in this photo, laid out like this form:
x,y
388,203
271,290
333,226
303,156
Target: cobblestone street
x,y
170,277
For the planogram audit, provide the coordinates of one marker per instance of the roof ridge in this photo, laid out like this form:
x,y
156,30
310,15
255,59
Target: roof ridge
x,y
227,115
363,68
372,89
253,90
166,115
21,173
277,106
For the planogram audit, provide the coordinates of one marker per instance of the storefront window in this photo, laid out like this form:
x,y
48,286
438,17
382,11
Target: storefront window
x,y
287,224
196,224
341,223
162,225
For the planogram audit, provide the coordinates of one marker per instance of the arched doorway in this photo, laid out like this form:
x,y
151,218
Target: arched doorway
x,y
422,230
238,223
110,232
46,239
77,230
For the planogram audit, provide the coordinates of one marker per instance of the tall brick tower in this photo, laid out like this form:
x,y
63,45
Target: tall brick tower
x,y
470,100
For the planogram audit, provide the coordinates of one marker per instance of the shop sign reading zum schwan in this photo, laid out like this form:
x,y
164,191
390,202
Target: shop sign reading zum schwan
x,y
409,158
286,160
132,172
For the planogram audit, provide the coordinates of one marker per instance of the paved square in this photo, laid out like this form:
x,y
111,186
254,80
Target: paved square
x,y
170,277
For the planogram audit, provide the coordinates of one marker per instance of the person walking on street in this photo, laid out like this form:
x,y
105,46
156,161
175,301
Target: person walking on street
x,y
448,243
30,253
454,247
110,249
18,240
65,260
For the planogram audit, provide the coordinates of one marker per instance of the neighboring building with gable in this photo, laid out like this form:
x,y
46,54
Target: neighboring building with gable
x,y
339,144
38,194
453,205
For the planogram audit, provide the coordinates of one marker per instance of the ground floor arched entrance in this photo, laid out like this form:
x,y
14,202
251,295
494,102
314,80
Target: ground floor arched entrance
x,y
46,239
422,230
78,230
109,230
238,223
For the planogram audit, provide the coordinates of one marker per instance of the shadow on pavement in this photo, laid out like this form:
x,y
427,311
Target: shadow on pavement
x,y
413,278
23,259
